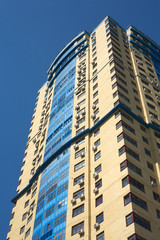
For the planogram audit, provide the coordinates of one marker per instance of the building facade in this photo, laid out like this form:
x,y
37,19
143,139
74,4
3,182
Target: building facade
x,y
91,168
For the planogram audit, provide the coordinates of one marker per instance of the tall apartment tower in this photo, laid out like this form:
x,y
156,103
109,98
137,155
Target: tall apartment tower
x,y
91,168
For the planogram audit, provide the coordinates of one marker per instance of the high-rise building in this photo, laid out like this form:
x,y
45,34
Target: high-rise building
x,y
91,168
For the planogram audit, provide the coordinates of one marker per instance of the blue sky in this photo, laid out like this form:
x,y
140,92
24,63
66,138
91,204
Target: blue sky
x,y
31,34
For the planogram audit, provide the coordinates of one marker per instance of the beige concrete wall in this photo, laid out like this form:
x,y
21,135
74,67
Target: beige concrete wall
x,y
114,224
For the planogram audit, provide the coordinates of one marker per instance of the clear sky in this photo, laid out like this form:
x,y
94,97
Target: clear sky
x,y
32,32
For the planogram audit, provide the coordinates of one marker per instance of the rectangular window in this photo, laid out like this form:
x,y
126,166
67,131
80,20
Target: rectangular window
x,y
97,156
94,54
158,213
79,153
150,105
78,193
125,125
145,139
24,216
98,168
34,192
60,219
100,218
99,200
127,117
93,49
130,165
81,120
138,108
158,145
119,124
156,89
77,179
78,210
115,94
81,111
100,236
153,115
156,197
38,221
142,75
97,143
141,221
41,205
95,86
96,102
133,83
28,192
95,94
125,181
79,165
147,152
12,215
126,137
98,184
96,111
114,85
95,72
123,165
82,140
95,79
96,132
27,233
135,237
142,128
81,95
61,189
129,139
117,114
93,45
10,228
136,184
29,219
80,130
93,35
122,81
135,91
97,120
150,166
82,102
134,168
153,181
127,199
129,219
61,203
122,88
120,137
123,97
157,134
59,236
22,229
148,97
48,212
132,153
77,228
138,201
116,103
136,99
122,150
129,180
